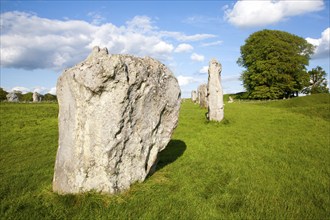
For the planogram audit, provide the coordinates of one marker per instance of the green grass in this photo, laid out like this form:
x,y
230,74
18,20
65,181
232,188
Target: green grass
x,y
267,160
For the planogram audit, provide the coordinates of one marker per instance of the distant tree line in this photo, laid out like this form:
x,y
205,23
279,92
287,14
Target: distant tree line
x,y
275,63
27,97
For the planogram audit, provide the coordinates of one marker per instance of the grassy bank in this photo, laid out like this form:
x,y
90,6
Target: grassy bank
x,y
267,160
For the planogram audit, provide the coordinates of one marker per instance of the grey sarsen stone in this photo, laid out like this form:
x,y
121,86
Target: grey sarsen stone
x,y
215,93
116,113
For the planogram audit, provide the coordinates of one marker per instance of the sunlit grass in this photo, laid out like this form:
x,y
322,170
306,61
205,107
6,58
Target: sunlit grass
x,y
267,160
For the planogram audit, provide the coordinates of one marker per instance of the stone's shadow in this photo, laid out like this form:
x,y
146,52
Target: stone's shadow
x,y
173,150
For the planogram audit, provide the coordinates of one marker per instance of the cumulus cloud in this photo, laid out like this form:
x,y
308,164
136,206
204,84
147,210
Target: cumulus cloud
x,y
214,43
185,80
322,45
97,18
20,89
260,13
162,47
197,57
52,91
32,42
201,19
182,48
183,37
204,69
40,89
142,24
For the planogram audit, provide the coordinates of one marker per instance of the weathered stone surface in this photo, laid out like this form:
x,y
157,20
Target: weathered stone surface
x,y
215,94
36,97
194,96
202,96
116,112
12,97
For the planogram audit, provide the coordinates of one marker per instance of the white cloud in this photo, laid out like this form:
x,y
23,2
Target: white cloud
x,y
162,47
322,45
201,19
182,37
52,91
204,69
140,23
97,18
21,89
214,43
40,89
31,42
182,48
185,80
197,57
265,12
225,7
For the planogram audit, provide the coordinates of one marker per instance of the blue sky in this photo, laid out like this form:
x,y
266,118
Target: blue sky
x,y
39,39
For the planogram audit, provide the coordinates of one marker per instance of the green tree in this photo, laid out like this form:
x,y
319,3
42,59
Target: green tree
x,y
317,81
3,94
49,97
27,97
275,63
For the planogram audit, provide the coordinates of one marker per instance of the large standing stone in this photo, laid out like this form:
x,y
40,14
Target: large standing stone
x,y
194,96
116,112
12,97
215,94
202,95
36,97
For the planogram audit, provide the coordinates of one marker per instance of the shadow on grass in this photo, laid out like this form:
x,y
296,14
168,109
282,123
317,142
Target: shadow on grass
x,y
171,153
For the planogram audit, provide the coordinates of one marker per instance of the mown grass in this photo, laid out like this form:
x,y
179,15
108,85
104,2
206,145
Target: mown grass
x,y
267,160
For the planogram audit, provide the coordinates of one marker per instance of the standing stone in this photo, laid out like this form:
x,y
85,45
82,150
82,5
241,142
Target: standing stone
x,y
215,94
12,97
202,96
231,100
116,113
36,97
193,96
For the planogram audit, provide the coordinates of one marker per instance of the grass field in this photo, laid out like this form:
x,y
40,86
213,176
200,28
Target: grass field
x,y
266,160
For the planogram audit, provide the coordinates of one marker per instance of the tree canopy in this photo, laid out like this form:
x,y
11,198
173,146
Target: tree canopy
x,y
49,97
3,94
275,63
317,81
27,97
